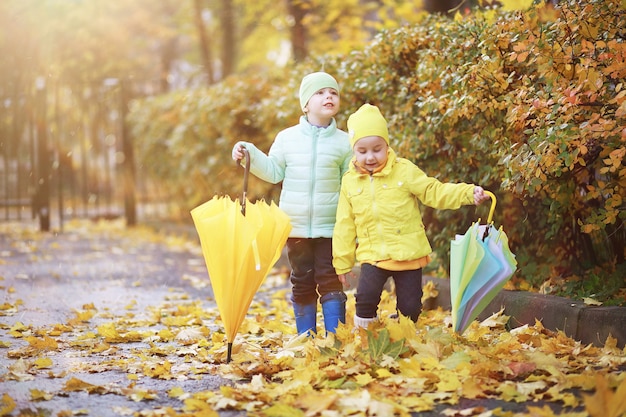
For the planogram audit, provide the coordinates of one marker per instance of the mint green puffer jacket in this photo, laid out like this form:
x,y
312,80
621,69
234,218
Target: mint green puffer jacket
x,y
310,162
381,212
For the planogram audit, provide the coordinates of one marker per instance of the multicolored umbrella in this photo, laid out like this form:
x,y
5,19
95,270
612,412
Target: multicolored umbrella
x,y
481,262
240,244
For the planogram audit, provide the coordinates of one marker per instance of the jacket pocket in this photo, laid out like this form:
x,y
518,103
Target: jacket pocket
x,y
359,201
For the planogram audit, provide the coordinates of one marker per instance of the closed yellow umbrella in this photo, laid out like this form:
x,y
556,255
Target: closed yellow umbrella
x,y
240,244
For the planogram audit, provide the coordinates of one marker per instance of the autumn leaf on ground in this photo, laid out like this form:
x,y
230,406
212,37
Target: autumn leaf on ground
x,y
7,405
316,403
429,290
604,402
19,371
44,343
40,395
380,346
75,384
591,302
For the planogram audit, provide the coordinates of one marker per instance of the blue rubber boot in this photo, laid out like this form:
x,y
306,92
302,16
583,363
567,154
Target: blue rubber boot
x,y
334,309
305,317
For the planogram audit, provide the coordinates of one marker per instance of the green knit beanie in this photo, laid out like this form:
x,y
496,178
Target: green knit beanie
x,y
312,83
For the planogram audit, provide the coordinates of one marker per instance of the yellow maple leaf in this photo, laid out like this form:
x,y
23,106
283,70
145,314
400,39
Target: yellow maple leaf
x,y
7,405
109,332
544,411
41,363
449,382
604,402
39,395
280,410
429,290
140,395
177,392
316,402
418,402
508,392
44,343
199,408
75,384
363,379
18,329
401,328
84,315
473,388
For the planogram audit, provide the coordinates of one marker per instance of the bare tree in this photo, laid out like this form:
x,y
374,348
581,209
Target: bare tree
x,y
297,11
441,6
229,44
168,53
206,51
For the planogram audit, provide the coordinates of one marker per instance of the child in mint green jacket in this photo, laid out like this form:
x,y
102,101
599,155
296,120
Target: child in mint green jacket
x,y
309,158
379,223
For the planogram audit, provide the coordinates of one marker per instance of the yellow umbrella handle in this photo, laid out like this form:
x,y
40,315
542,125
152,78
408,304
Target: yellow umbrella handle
x,y
493,206
490,218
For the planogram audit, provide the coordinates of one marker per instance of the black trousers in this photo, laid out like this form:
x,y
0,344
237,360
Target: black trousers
x,y
370,288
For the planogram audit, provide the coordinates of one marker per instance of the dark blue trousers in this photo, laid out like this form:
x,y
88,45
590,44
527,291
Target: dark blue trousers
x,y
312,272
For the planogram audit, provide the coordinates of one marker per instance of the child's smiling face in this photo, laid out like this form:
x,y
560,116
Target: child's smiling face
x,y
371,152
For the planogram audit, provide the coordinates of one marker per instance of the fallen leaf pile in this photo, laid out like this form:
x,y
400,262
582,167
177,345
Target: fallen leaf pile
x,y
394,368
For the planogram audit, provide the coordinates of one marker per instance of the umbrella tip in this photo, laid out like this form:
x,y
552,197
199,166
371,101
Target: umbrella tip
x,y
229,353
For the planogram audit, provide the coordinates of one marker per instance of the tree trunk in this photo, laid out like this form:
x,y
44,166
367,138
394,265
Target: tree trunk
x,y
168,55
441,6
298,31
229,46
205,47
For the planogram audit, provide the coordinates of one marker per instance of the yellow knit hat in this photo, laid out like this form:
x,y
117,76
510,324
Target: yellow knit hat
x,y
314,82
367,121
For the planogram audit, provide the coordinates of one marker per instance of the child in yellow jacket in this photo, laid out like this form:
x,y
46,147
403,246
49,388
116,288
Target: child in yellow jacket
x,y
379,223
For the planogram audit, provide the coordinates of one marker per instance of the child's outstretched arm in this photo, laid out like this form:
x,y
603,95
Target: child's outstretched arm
x,y
479,195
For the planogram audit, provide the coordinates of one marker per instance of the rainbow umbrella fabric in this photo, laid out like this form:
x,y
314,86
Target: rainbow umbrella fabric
x,y
481,263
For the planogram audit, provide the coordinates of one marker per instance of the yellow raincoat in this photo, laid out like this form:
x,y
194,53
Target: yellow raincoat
x,y
381,213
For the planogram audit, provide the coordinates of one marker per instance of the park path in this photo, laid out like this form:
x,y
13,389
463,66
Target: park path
x,y
62,286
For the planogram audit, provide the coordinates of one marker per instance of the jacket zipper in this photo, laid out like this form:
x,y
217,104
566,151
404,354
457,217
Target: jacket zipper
x,y
379,228
312,184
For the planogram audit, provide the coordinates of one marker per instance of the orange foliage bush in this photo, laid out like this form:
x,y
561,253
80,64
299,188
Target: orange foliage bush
x,y
529,104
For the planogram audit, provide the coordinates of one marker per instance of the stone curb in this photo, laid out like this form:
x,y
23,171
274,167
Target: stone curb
x,y
587,324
